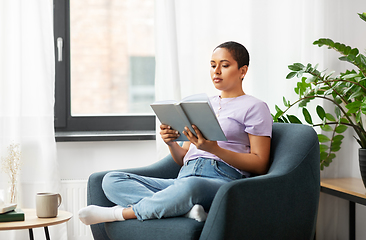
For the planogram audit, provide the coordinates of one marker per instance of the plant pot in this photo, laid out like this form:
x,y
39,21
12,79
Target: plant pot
x,y
362,160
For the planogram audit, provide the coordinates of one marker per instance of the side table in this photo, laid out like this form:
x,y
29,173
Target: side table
x,y
32,221
351,189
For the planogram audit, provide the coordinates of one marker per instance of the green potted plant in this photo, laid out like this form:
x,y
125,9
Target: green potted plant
x,y
347,91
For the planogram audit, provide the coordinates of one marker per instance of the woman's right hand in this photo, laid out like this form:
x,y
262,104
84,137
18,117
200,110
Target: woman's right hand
x,y
168,134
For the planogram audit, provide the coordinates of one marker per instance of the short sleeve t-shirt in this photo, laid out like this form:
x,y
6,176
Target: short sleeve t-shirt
x,y
238,117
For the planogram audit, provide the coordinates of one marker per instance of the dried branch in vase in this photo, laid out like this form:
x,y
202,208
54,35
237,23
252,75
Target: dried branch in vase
x,y
11,165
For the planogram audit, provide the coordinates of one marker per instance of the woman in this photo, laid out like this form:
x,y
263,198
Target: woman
x,y
206,165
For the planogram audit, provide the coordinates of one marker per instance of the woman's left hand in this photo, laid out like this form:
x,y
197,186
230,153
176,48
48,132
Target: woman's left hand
x,y
200,142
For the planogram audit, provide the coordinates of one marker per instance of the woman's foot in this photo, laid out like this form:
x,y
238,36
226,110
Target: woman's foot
x,y
197,213
95,214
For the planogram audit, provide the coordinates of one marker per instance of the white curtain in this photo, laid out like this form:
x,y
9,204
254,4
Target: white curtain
x,y
27,100
276,34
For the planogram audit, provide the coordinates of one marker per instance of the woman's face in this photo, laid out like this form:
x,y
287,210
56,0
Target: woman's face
x,y
225,73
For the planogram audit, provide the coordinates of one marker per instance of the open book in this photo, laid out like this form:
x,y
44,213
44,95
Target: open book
x,y
195,109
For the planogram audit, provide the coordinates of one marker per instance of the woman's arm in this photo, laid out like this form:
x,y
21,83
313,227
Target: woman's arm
x,y
169,135
179,152
256,161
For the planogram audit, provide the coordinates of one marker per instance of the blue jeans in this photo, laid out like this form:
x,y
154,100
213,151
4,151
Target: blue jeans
x,y
197,183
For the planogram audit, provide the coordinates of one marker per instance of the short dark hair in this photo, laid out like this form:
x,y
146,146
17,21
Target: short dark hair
x,y
238,51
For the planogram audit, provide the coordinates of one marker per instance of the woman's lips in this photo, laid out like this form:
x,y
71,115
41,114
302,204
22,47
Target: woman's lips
x,y
217,80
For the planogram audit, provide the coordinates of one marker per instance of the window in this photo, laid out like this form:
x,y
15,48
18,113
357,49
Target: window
x,y
105,69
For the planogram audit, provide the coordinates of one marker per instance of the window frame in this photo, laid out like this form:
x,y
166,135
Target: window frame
x,y
87,128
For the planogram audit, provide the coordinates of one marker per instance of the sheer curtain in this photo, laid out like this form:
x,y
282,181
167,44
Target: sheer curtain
x,y
27,100
276,34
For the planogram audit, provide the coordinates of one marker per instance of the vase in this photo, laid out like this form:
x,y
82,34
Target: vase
x,y
13,192
362,160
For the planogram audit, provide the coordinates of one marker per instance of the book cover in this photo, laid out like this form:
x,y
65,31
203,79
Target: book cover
x,y
195,109
15,215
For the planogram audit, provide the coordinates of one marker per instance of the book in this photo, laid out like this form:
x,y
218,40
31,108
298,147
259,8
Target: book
x,y
7,208
192,110
15,215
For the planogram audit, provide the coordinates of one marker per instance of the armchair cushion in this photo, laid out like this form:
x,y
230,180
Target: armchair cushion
x,y
178,228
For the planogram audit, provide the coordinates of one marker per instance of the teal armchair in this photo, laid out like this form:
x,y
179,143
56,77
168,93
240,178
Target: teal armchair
x,y
281,204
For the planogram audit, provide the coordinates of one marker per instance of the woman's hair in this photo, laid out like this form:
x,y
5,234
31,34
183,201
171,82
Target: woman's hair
x,y
238,51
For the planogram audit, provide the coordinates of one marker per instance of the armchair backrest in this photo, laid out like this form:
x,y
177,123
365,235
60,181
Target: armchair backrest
x,y
289,140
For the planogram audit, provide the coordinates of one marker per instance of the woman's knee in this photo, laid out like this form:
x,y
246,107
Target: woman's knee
x,y
196,185
200,190
109,180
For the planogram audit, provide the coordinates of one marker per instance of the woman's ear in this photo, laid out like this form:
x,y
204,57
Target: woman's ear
x,y
244,70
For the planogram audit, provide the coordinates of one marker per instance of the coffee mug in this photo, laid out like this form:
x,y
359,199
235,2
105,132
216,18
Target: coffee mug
x,y
47,204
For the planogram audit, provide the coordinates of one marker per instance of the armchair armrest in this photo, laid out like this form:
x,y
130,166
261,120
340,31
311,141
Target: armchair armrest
x,y
278,205
165,168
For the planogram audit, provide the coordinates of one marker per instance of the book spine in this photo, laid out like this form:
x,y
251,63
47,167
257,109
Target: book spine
x,y
12,217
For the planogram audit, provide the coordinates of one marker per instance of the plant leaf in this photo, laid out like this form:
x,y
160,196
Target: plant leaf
x,y
344,120
323,148
358,116
348,76
326,128
362,59
353,106
278,109
335,148
337,111
322,138
291,75
283,118
343,58
340,128
363,107
330,117
354,52
338,138
293,119
324,41
296,67
307,116
320,111
362,16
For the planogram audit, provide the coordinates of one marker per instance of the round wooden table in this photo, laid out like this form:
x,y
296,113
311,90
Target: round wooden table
x,y
32,221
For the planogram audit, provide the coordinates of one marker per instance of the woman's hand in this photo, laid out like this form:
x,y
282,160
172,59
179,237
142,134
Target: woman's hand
x,y
168,134
200,142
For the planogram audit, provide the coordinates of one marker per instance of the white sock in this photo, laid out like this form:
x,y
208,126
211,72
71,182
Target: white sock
x,y
95,214
197,213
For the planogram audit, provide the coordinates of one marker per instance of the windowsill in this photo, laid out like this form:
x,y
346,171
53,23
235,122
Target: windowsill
x,y
87,136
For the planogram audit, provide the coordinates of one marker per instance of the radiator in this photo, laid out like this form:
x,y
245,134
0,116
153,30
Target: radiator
x,y
73,199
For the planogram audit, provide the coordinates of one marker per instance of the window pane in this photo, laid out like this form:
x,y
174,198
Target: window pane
x,y
112,56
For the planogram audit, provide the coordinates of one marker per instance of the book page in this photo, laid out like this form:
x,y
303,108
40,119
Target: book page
x,y
202,115
201,97
172,115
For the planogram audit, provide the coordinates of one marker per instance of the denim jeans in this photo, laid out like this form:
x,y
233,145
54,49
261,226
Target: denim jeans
x,y
197,183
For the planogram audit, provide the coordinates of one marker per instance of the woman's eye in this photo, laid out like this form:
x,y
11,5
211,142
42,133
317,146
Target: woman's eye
x,y
225,66
213,66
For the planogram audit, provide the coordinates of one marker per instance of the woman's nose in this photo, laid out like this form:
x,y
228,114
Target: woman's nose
x,y
217,70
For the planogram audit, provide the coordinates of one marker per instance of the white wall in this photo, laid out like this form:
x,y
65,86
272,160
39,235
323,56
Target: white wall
x,y
77,160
